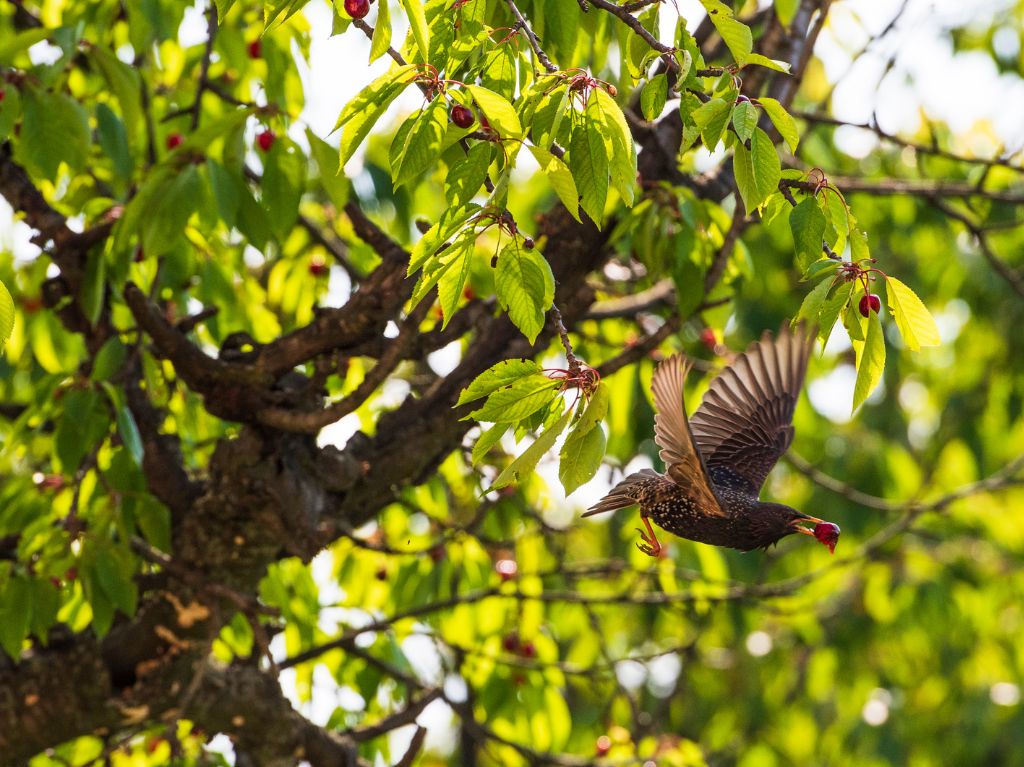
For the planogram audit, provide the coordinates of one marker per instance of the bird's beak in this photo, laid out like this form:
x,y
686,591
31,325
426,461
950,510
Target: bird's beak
x,y
826,533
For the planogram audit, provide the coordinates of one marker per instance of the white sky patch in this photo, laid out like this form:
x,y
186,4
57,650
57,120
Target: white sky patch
x,y
1004,694
631,674
876,708
759,643
832,394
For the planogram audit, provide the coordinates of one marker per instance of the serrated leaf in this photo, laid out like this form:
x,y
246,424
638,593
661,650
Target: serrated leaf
x,y
710,119
853,321
124,82
870,361
764,61
735,34
807,223
580,458
597,409
451,285
858,244
782,120
912,317
499,112
588,161
611,122
418,25
653,97
497,376
436,267
451,221
6,313
560,178
487,440
466,177
527,462
744,119
757,170
374,93
831,309
423,142
381,39
813,301
838,218
55,129
525,288
518,400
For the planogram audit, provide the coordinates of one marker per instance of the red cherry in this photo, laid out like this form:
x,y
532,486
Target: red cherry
x,y
828,534
528,243
266,140
707,337
255,49
71,574
506,568
318,267
175,140
528,650
140,255
462,116
603,745
437,553
31,305
3,94
381,574
357,8
484,123
869,302
741,98
510,642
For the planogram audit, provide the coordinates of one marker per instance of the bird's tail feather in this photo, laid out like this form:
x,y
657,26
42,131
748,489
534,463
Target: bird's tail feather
x,y
622,495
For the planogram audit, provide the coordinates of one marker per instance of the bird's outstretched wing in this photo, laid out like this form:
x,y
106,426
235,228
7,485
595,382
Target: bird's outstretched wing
x,y
683,464
744,425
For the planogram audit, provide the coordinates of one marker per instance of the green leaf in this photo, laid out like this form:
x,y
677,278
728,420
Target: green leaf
x,y
858,244
108,359
499,112
487,440
497,376
444,261
813,301
527,462
588,161
744,120
15,614
332,181
114,573
363,112
114,141
372,95
807,222
611,123
560,178
525,288
580,458
163,217
466,177
6,314
757,170
764,61
786,10
518,400
129,432
597,409
125,83
870,361
912,317
831,309
418,24
838,217
653,97
452,283
735,34
381,40
55,129
710,119
782,120
83,424
819,269
423,142
451,221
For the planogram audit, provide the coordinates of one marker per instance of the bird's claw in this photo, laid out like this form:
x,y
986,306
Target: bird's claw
x,y
650,546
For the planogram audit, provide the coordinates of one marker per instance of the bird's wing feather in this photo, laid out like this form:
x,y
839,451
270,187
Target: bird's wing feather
x,y
683,464
744,424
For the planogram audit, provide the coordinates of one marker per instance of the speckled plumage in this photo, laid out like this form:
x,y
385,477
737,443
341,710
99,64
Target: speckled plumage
x,y
717,461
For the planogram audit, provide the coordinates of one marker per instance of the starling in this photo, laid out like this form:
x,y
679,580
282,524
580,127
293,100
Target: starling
x,y
716,463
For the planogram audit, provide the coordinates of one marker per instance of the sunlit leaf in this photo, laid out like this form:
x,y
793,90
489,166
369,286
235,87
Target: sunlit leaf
x,y
912,317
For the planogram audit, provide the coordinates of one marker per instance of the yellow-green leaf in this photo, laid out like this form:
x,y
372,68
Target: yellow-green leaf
x,y
499,112
912,317
870,361
6,313
527,462
418,23
782,120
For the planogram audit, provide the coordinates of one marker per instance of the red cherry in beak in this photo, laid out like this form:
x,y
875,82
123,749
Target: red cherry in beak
x,y
828,534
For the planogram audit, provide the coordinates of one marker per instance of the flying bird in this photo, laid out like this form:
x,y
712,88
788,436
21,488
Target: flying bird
x,y
717,461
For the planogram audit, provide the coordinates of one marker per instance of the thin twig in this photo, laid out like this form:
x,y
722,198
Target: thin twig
x,y
524,25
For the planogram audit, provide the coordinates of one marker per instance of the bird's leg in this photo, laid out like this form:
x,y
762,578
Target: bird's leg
x,y
651,545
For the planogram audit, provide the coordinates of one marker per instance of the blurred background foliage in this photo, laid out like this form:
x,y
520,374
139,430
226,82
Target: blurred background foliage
x,y
564,642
